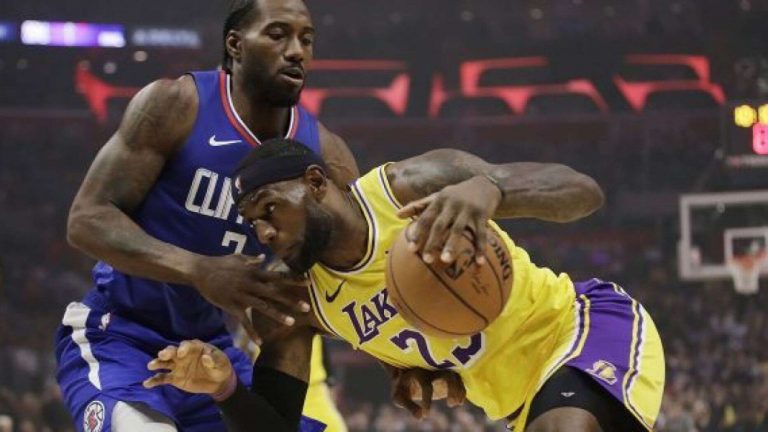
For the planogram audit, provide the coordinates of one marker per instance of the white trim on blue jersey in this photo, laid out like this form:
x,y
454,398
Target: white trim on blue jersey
x,y
231,103
76,317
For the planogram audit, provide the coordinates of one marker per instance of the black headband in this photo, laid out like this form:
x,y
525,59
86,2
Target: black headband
x,y
271,170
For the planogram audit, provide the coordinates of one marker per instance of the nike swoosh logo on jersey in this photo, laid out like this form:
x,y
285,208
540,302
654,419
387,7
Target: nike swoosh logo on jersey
x,y
213,143
331,298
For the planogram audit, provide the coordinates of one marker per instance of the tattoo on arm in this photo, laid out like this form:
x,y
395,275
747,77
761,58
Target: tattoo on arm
x,y
427,183
551,192
426,174
157,120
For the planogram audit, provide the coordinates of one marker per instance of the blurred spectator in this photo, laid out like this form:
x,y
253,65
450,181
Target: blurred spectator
x,y
387,418
6,423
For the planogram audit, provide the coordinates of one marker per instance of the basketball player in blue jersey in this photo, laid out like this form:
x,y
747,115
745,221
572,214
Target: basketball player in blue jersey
x,y
156,209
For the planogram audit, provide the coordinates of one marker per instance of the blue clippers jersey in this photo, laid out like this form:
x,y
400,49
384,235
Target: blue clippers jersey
x,y
191,206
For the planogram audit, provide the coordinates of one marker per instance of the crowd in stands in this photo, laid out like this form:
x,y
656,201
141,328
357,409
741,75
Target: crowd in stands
x,y
388,418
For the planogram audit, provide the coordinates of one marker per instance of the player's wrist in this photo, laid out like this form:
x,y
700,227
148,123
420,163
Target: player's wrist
x,y
493,186
226,389
195,268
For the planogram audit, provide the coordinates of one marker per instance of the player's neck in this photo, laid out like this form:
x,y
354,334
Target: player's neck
x,y
264,120
349,237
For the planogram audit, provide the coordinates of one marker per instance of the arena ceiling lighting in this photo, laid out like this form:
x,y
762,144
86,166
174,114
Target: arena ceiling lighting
x,y
8,32
166,37
80,34
70,34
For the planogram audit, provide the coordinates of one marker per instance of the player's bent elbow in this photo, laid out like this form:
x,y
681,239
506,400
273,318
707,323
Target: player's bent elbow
x,y
594,198
75,231
585,197
80,228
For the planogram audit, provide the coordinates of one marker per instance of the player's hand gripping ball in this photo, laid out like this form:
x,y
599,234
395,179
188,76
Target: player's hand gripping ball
x,y
450,299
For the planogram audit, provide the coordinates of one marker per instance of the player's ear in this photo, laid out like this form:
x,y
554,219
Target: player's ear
x,y
233,44
317,180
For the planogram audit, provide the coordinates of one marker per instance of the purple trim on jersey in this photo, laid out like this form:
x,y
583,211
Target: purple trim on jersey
x,y
636,360
386,186
374,235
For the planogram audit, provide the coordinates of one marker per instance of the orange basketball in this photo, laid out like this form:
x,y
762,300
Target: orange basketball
x,y
450,300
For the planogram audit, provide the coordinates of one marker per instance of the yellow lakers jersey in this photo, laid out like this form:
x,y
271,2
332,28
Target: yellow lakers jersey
x,y
317,372
500,366
319,404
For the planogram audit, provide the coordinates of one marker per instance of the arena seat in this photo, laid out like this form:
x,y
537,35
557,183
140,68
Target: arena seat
x,y
393,95
638,93
516,96
463,107
561,103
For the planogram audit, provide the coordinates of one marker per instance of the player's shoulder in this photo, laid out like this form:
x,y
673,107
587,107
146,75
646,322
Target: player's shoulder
x,y
419,176
163,94
163,113
325,134
337,156
403,172
329,141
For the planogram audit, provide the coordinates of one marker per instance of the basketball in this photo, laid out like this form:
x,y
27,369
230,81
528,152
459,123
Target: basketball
x,y
450,300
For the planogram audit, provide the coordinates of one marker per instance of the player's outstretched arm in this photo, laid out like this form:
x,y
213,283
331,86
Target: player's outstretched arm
x,y
453,190
277,394
157,122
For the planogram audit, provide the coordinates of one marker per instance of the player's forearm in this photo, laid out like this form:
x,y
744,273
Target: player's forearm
x,y
290,354
551,192
106,233
274,403
280,382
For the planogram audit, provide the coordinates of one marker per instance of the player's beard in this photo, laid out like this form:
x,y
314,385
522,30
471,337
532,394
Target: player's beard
x,y
267,88
317,235
278,96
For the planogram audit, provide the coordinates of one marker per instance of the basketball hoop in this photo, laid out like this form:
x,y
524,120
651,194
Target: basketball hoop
x,y
745,271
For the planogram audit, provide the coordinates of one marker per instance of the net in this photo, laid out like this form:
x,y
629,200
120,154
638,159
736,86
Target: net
x,y
745,271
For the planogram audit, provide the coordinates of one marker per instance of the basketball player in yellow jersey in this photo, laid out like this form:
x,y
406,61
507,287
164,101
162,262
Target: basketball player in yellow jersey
x,y
562,356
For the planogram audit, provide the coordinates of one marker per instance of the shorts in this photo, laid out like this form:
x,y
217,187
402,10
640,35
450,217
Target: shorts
x,y
102,359
572,388
615,343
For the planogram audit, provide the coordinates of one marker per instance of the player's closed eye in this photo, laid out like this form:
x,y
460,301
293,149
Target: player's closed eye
x,y
269,209
277,34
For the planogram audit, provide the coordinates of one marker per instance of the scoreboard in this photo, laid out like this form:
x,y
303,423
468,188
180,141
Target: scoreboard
x,y
746,135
